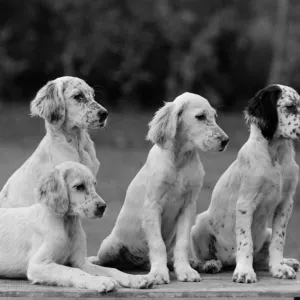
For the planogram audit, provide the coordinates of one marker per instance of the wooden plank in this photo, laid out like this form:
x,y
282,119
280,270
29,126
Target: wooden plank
x,y
218,286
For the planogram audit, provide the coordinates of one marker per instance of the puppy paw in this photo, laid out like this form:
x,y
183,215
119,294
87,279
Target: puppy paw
x,y
212,266
187,274
292,262
160,275
102,284
282,271
141,281
244,275
94,260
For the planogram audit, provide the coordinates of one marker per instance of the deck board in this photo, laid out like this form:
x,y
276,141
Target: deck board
x,y
212,286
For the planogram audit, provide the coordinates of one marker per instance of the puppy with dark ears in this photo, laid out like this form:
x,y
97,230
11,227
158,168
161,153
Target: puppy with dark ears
x,y
154,224
46,243
68,107
258,186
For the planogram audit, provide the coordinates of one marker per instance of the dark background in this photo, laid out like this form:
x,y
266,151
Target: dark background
x,y
137,54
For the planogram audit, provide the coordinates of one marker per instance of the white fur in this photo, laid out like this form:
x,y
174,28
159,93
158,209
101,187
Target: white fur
x,y
67,104
160,203
46,243
259,185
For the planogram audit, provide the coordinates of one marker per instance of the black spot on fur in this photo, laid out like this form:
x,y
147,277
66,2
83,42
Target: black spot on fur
x,y
223,225
243,231
55,116
245,244
262,109
242,211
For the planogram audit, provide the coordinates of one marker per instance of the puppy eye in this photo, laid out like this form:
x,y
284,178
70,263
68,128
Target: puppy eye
x,y
78,96
80,187
201,117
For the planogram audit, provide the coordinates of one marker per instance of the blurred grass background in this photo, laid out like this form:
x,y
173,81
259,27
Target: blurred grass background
x,y
122,150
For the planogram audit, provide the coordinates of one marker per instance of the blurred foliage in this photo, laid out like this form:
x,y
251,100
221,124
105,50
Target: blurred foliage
x,y
141,52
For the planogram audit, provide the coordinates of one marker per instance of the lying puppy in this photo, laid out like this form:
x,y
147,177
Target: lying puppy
x,y
155,221
259,185
46,243
67,104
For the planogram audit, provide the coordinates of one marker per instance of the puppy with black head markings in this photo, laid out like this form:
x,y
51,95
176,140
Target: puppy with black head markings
x,y
154,224
67,104
45,242
259,185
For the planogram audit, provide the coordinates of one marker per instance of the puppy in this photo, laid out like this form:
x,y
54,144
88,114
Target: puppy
x,y
155,221
259,185
67,104
46,243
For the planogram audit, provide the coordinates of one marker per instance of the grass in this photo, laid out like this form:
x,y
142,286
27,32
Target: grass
x,y
122,150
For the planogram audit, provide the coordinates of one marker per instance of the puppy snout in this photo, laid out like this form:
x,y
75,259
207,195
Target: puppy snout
x,y
223,143
102,115
100,209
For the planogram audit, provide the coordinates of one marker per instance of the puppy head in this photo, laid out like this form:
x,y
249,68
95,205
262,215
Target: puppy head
x,y
190,121
276,111
69,189
68,100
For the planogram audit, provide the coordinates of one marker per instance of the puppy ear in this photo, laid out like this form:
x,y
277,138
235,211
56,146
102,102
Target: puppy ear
x,y
262,110
53,192
163,126
49,103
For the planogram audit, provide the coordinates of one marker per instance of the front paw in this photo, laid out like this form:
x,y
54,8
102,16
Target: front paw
x,y
244,275
282,271
212,266
293,263
102,284
160,275
187,274
141,281
94,260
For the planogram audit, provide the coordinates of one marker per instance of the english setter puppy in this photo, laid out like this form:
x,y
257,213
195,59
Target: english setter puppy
x,y
155,221
67,104
46,243
258,186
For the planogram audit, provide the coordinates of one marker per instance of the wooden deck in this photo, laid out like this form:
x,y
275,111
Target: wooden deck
x,y
218,286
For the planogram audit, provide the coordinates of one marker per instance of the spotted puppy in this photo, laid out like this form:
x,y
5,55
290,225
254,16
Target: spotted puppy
x,y
67,104
259,185
155,221
46,243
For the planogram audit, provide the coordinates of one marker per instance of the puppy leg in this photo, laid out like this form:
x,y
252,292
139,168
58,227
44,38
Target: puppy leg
x,y
157,250
203,247
244,272
54,274
278,267
182,267
123,279
261,259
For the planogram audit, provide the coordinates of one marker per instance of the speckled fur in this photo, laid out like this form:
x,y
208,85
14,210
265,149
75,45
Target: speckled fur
x,y
160,205
67,104
259,185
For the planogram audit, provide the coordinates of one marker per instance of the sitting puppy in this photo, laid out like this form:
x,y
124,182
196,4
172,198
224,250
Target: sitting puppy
x,y
155,221
259,185
67,104
46,242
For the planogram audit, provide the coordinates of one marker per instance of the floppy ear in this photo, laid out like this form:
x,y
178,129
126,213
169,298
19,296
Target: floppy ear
x,y
49,103
163,126
262,110
53,192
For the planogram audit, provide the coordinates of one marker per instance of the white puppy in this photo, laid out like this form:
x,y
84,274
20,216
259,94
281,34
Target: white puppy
x,y
46,241
155,221
259,185
67,104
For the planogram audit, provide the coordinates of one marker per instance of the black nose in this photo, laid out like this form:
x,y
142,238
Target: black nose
x,y
102,114
100,208
224,142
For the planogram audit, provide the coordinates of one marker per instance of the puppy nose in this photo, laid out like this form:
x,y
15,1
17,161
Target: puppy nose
x,y
100,208
102,115
224,142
